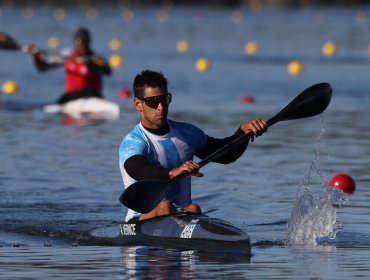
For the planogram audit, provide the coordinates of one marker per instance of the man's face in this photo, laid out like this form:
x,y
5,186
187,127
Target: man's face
x,y
153,107
81,45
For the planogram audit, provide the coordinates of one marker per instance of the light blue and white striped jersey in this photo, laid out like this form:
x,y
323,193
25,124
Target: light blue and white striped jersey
x,y
170,150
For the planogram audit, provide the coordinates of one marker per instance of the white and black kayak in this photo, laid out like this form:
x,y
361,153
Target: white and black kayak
x,y
183,231
90,107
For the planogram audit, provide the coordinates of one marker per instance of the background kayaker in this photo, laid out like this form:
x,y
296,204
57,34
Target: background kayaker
x,y
83,69
160,148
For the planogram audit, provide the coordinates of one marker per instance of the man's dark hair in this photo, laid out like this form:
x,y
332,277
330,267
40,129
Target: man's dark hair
x,y
83,33
149,78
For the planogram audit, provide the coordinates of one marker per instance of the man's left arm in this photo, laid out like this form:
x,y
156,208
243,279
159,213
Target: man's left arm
x,y
214,144
257,126
99,65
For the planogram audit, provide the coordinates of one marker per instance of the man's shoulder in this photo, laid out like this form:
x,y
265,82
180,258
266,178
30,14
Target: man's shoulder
x,y
133,143
182,125
135,134
186,128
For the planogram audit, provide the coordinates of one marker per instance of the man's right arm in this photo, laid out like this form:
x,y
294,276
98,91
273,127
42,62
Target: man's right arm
x,y
41,60
139,168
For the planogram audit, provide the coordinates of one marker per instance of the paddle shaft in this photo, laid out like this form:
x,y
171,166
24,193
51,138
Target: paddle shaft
x,y
223,150
8,43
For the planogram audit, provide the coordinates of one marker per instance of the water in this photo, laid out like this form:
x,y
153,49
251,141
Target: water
x,y
60,182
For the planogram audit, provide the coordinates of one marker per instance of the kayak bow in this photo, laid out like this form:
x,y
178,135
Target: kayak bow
x,y
92,107
186,231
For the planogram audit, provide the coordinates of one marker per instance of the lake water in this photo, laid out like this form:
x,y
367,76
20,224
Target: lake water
x,y
59,182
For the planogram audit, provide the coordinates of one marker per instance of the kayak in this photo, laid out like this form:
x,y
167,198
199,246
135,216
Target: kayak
x,y
90,107
185,231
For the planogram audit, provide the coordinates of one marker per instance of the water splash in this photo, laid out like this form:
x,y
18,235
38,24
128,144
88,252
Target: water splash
x,y
314,216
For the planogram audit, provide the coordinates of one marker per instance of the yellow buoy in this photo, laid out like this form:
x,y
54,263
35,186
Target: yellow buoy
x,y
128,15
115,61
202,65
91,14
251,48
53,42
182,46
163,15
295,68
329,49
115,44
59,13
27,13
9,87
237,17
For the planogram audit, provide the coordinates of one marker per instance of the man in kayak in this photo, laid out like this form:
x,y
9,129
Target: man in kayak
x,y
160,148
83,69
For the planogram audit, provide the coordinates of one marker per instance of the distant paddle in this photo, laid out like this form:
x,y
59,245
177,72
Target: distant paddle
x,y
144,196
8,43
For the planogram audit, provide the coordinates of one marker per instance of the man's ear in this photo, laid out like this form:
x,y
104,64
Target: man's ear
x,y
138,104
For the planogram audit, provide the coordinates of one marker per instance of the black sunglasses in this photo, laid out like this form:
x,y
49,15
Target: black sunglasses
x,y
153,101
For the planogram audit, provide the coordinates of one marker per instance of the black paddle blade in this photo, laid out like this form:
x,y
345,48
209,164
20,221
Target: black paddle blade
x,y
144,196
8,43
311,102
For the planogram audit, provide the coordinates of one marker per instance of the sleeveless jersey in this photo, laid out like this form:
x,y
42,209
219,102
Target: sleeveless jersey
x,y
183,141
79,76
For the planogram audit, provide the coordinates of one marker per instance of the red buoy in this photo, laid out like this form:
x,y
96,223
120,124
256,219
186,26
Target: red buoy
x,y
124,93
247,99
343,182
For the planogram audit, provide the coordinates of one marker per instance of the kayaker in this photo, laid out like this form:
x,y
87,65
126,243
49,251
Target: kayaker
x,y
83,69
160,148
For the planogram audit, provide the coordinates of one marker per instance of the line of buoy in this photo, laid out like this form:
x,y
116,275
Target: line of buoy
x,y
203,64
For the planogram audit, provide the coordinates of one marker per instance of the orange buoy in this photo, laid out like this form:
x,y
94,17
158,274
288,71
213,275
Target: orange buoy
x,y
343,182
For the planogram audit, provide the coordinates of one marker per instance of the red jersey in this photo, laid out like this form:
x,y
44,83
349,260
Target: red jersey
x,y
79,76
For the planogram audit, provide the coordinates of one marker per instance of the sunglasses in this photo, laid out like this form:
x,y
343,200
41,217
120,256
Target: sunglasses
x,y
153,101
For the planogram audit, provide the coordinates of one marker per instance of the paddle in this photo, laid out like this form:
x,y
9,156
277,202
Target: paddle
x,y
8,43
144,196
